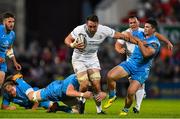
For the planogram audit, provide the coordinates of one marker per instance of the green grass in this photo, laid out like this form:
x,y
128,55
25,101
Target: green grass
x,y
151,108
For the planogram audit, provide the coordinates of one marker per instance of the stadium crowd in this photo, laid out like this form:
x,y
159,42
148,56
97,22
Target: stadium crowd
x,y
165,11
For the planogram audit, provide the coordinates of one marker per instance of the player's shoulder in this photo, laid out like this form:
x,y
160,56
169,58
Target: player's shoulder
x,y
100,26
2,28
80,27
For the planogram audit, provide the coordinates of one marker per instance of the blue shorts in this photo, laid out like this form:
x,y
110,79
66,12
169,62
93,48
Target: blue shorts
x,y
137,73
3,67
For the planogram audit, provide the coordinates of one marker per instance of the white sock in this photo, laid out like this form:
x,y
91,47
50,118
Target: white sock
x,y
98,108
82,99
139,97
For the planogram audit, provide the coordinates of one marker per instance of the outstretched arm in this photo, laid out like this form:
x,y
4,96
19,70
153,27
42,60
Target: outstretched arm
x,y
164,39
124,36
73,93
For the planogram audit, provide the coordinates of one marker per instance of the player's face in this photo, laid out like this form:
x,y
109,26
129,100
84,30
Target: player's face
x,y
9,23
133,23
92,27
11,90
148,29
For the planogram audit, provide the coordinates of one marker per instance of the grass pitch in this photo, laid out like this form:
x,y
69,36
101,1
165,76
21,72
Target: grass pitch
x,y
151,108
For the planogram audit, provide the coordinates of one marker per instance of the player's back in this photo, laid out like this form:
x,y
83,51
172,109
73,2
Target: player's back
x,y
70,80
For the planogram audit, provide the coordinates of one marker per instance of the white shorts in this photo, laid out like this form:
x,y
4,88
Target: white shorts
x,y
84,65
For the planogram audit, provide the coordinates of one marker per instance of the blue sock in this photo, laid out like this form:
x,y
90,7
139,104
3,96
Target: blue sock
x,y
125,110
112,93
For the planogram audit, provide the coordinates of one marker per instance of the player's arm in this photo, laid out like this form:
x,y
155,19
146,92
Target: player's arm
x,y
124,36
7,107
10,54
146,50
35,105
119,47
73,43
6,104
164,39
73,93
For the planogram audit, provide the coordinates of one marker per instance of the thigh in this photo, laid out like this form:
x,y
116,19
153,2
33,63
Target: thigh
x,y
79,66
117,72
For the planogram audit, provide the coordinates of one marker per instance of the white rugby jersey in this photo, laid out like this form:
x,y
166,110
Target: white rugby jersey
x,y
129,46
92,43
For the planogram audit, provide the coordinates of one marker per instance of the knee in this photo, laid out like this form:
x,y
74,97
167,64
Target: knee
x,y
131,92
110,76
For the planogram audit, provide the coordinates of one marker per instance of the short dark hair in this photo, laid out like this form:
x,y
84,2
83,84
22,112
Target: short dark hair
x,y
153,22
9,82
133,16
7,15
93,18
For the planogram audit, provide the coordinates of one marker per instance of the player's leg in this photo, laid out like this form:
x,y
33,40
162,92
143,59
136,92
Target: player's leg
x,y
133,87
113,75
81,72
139,97
94,76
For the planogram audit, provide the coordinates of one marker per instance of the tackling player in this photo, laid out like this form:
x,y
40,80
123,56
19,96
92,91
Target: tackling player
x,y
139,63
124,47
64,90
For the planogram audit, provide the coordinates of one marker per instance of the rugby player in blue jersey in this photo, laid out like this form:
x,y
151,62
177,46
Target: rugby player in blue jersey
x,y
139,63
17,91
67,91
7,37
124,47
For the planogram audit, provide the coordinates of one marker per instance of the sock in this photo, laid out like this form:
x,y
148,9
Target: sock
x,y
112,93
125,110
98,108
139,97
82,99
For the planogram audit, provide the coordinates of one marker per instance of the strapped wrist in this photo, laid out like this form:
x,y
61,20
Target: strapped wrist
x,y
72,45
82,95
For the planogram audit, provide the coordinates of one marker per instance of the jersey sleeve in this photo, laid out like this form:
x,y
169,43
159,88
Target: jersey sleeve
x,y
120,41
108,31
6,99
25,87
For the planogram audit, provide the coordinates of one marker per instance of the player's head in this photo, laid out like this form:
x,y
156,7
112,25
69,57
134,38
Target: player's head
x,y
8,20
9,86
92,22
150,26
133,22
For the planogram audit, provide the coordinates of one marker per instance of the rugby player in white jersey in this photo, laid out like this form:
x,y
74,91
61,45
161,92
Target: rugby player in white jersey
x,y
84,59
124,47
